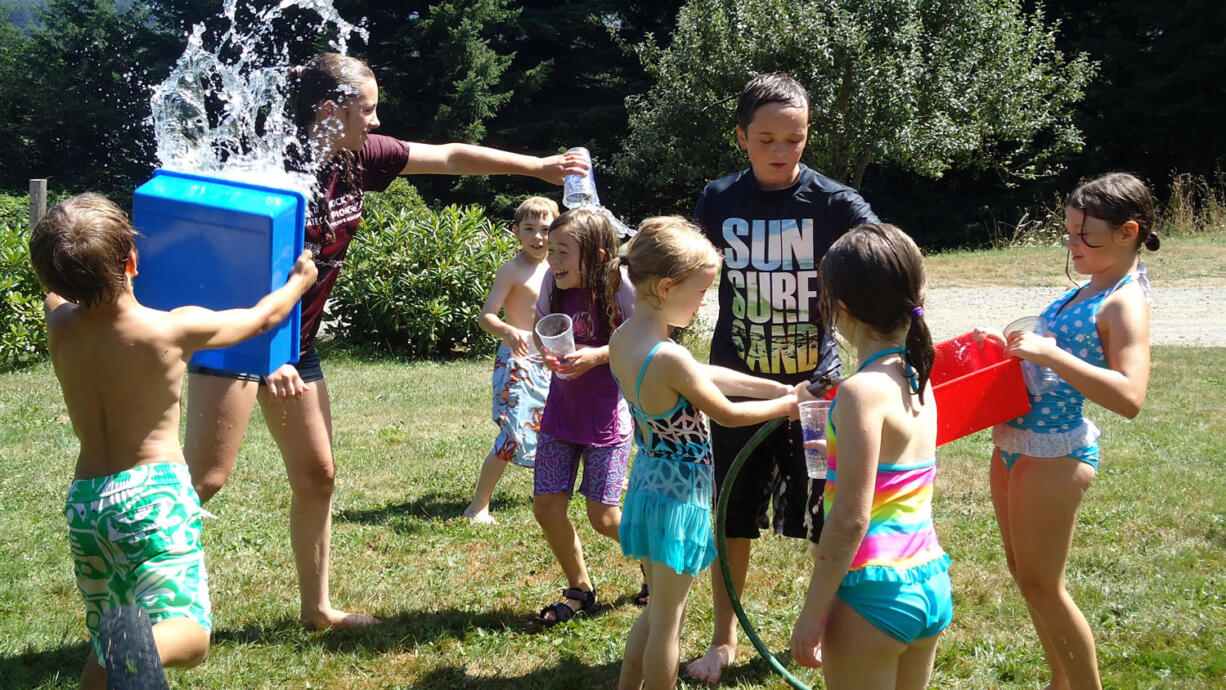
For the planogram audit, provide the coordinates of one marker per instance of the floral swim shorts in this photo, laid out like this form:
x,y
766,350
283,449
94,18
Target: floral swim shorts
x,y
135,539
520,387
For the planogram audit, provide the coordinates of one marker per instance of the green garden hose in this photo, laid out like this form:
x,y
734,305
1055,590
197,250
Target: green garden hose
x,y
720,512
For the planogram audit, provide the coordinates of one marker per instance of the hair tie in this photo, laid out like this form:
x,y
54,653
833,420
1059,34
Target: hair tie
x,y
917,312
625,260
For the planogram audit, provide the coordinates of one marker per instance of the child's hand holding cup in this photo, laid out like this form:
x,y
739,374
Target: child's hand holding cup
x,y
813,416
557,339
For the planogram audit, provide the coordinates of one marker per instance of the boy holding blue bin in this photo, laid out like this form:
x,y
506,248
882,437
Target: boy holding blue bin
x,y
133,516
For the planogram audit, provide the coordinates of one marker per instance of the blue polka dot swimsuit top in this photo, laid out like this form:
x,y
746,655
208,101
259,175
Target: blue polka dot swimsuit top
x,y
679,434
1076,332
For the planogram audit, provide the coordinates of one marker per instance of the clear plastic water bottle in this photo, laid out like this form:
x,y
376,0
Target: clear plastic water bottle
x,y
1039,379
580,190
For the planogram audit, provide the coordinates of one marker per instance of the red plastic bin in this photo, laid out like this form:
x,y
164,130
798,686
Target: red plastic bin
x,y
975,386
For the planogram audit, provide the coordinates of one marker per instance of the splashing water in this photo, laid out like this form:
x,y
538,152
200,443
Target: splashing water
x,y
228,117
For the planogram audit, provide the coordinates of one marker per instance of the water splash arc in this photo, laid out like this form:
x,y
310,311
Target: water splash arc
x,y
222,111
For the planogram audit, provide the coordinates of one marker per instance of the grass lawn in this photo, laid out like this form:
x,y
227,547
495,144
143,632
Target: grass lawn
x,y
459,599
1193,260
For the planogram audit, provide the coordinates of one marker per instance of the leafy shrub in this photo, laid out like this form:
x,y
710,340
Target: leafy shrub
x,y
23,330
14,210
399,197
414,283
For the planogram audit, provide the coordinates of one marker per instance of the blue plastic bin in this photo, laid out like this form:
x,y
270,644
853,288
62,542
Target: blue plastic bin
x,y
220,244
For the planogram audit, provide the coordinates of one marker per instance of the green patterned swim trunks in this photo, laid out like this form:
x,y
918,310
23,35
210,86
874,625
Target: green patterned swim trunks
x,y
135,539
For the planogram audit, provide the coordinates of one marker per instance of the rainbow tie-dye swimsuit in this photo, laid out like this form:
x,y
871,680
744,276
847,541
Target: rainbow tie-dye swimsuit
x,y
898,579
901,543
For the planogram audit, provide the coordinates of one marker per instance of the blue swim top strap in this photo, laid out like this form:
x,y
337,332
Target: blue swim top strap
x,y
878,355
643,370
908,370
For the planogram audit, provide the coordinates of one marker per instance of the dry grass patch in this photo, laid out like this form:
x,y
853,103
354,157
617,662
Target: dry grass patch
x,y
1184,261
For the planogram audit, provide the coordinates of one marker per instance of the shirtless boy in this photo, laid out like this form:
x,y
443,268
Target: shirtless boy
x,y
133,516
521,380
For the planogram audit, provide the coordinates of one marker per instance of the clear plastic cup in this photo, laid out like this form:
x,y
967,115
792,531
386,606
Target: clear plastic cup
x,y
557,335
813,416
1024,324
580,190
1039,379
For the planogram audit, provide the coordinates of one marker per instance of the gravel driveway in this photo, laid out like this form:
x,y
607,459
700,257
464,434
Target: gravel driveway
x,y
1181,316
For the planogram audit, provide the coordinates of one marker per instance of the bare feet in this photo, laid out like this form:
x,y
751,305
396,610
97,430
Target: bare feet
x,y
711,666
482,516
335,619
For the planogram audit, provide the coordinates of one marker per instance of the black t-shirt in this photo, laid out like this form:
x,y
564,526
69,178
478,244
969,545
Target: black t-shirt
x,y
773,243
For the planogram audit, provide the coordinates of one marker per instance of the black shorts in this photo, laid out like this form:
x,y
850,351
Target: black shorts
x,y
775,472
309,368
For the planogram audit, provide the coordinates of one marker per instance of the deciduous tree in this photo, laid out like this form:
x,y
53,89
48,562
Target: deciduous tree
x,y
926,85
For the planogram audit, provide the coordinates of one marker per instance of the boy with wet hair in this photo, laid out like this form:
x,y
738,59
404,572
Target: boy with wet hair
x,y
521,381
133,516
773,223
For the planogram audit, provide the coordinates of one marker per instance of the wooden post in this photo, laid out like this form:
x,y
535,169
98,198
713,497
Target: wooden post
x,y
38,201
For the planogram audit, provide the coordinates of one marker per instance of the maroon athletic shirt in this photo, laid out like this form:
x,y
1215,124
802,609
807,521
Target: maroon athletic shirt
x,y
379,162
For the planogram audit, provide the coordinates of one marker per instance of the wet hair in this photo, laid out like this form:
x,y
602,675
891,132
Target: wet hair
x,y
1118,198
764,89
535,207
664,247
80,248
877,272
593,232
325,77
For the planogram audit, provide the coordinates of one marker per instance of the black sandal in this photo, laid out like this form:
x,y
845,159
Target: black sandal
x,y
562,611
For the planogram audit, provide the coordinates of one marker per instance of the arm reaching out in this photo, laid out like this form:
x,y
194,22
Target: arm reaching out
x,y
683,374
466,159
735,383
203,329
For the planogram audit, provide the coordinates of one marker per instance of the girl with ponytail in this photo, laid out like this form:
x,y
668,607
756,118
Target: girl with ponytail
x,y
1045,460
879,595
333,105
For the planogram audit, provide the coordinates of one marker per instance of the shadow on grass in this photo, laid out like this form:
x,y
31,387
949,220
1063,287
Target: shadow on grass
x,y
48,668
569,672
573,672
405,517
404,631
756,670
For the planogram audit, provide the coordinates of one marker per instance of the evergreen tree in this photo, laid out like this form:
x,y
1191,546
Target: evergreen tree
x,y
1163,75
80,109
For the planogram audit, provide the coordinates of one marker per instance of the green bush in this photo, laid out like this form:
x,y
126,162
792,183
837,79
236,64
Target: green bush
x,y
413,283
399,197
23,330
14,210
